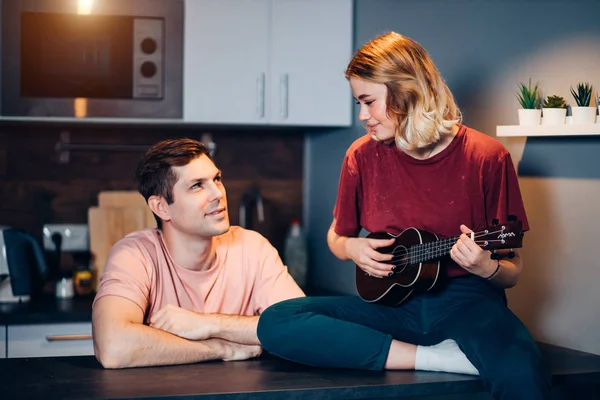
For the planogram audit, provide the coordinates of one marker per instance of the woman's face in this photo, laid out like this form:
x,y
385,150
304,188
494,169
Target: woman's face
x,y
373,112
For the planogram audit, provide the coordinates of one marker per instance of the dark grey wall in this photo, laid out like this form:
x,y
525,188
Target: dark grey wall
x,y
483,49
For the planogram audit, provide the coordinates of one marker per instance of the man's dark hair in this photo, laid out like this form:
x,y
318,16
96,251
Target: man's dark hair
x,y
154,175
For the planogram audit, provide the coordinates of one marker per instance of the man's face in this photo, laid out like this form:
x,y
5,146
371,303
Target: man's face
x,y
199,200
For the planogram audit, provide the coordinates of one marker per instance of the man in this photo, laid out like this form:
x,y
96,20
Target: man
x,y
190,290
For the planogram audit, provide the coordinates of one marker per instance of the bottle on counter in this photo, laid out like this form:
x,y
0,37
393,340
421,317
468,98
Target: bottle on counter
x,y
295,254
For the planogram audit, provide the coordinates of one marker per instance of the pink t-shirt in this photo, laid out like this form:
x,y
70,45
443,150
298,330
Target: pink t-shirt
x,y
247,276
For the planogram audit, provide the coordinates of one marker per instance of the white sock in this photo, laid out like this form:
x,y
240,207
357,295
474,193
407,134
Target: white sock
x,y
446,357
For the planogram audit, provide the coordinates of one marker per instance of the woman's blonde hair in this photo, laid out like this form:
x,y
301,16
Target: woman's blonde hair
x,y
418,99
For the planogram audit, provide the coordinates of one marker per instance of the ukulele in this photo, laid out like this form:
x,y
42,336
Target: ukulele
x,y
416,257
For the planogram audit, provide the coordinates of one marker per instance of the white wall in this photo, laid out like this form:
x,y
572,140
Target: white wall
x,y
558,297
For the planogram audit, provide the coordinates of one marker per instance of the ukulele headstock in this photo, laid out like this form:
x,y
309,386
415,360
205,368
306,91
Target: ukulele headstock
x,y
505,235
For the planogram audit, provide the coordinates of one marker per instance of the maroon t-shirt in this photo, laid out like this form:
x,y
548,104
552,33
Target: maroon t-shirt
x,y
471,182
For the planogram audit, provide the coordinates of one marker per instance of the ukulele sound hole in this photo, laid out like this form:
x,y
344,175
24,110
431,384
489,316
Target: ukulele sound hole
x,y
400,259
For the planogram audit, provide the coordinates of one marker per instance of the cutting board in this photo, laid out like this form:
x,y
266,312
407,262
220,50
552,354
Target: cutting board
x,y
121,199
118,213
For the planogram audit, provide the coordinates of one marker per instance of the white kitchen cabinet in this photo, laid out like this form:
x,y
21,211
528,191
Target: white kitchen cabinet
x,y
225,61
2,341
311,43
49,340
268,62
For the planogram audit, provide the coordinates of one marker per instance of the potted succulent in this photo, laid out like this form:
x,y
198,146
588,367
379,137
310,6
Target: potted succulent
x,y
554,110
583,113
530,99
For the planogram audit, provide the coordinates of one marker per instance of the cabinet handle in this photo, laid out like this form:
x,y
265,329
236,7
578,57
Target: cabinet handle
x,y
283,95
57,338
260,95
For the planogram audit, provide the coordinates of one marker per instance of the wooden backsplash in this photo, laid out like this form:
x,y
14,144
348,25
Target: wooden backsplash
x,y
35,188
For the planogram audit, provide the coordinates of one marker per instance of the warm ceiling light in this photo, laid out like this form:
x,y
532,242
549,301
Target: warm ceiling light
x,y
84,7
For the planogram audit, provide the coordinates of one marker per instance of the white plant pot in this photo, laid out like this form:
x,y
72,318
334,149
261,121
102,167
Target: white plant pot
x,y
584,115
529,117
554,116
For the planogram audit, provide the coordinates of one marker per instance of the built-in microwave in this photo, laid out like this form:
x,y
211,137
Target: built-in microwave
x,y
92,58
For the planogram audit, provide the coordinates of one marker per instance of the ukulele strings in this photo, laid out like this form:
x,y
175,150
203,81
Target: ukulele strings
x,y
442,246
439,246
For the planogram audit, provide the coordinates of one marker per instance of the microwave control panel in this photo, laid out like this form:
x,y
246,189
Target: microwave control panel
x,y
148,58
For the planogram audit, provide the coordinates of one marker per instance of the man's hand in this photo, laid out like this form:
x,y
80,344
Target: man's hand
x,y
184,323
470,256
238,352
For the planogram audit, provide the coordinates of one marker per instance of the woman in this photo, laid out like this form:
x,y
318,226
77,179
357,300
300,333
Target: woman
x,y
417,167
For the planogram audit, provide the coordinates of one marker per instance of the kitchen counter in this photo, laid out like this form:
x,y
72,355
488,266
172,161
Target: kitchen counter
x,y
47,310
265,378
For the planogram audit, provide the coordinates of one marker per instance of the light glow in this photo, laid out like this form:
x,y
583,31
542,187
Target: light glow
x,y
80,107
84,7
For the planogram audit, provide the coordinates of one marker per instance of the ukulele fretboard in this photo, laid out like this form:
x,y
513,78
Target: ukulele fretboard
x,y
420,253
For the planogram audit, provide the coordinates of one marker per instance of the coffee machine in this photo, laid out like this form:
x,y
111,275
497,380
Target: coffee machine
x,y
22,265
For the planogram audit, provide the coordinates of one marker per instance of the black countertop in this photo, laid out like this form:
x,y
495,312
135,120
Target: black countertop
x,y
266,378
47,310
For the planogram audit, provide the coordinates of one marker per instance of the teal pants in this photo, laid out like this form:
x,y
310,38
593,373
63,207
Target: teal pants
x,y
346,332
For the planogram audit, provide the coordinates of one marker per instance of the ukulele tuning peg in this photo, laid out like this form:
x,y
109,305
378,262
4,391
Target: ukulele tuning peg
x,y
495,222
494,255
511,253
512,218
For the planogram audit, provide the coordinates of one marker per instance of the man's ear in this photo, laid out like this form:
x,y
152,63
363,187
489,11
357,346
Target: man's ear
x,y
158,205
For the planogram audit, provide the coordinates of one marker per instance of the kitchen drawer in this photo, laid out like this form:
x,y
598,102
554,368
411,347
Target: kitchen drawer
x,y
49,340
2,341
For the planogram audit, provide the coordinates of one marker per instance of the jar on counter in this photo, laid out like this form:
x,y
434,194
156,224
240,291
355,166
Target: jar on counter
x,y
83,281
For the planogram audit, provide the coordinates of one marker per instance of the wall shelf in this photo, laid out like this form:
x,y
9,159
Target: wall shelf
x,y
548,130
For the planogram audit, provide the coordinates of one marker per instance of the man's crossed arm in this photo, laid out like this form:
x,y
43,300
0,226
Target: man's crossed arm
x,y
175,335
193,326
